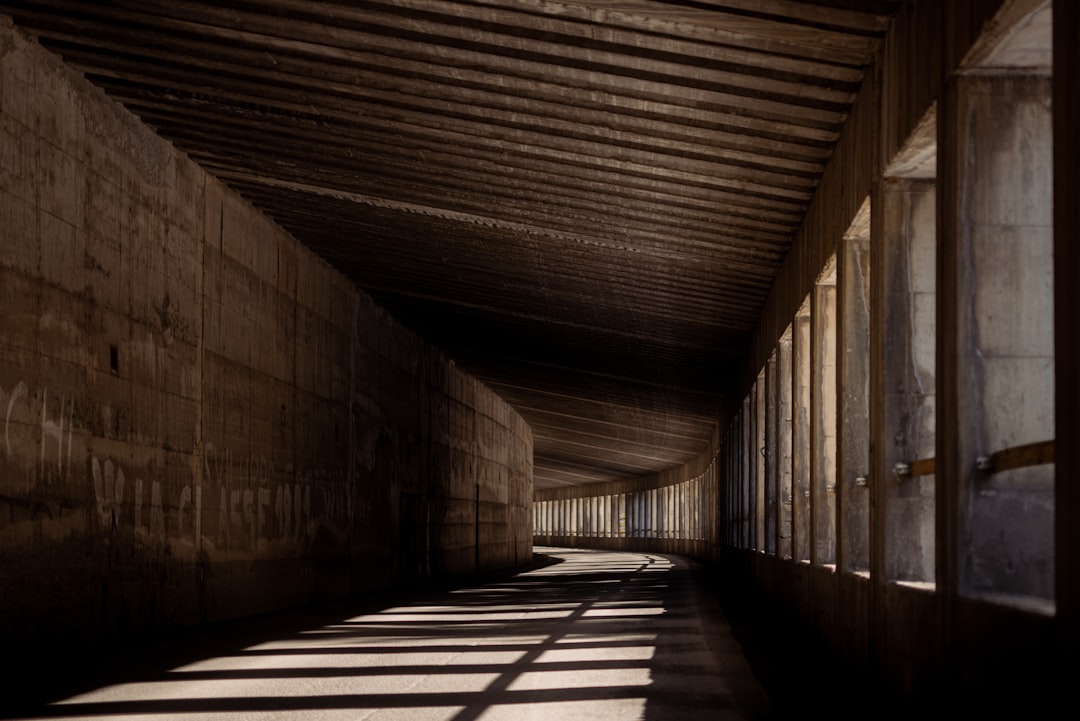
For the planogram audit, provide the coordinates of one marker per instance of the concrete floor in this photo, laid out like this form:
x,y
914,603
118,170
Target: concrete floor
x,y
591,635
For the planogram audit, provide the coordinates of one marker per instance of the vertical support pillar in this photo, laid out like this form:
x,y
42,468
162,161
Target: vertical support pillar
x,y
853,461
800,389
784,445
759,462
772,398
823,419
747,464
903,373
734,482
730,486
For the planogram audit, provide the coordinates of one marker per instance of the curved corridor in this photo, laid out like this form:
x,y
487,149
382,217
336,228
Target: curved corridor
x,y
590,635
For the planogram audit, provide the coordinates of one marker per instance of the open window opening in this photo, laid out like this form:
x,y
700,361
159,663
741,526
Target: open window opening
x,y
1000,242
800,434
784,445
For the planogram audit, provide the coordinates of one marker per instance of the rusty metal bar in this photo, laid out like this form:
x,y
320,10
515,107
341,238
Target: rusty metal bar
x,y
921,467
1031,454
924,467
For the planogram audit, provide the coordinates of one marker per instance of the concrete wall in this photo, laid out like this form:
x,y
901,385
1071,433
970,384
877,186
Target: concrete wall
x,y
199,419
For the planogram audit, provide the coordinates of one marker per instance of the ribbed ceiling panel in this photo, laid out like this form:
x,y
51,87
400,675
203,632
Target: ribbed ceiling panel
x,y
583,202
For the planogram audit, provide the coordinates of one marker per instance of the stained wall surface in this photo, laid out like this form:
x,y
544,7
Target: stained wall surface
x,y
199,419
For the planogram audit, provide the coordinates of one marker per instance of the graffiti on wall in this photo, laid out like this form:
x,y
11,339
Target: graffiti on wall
x,y
238,502
55,424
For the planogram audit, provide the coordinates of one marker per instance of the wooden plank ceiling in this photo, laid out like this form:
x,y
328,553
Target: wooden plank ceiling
x,y
584,202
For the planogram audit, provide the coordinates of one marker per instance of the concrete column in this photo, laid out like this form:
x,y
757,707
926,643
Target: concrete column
x,y
614,505
760,406
731,487
663,496
729,491
644,514
671,509
903,357
640,501
661,512
800,433
679,510
853,461
746,512
683,518
690,499
660,494
619,527
676,511
655,508
654,514
622,516
823,419
996,331
607,505
772,398
690,507
784,445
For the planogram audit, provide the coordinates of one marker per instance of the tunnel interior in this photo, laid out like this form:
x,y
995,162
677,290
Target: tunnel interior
x,y
303,302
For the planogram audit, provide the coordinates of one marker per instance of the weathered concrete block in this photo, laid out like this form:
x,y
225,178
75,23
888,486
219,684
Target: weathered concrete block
x,y
104,275
19,71
19,175
1007,128
1012,263
62,253
185,197
1017,403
